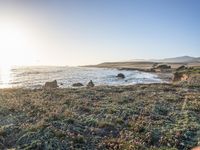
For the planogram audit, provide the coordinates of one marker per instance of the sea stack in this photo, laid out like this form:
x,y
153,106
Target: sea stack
x,y
90,84
120,75
51,85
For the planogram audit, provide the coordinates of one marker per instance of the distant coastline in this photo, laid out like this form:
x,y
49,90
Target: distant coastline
x,y
150,66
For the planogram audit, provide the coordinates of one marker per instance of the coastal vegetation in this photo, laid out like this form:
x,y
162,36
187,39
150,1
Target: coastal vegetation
x,y
151,116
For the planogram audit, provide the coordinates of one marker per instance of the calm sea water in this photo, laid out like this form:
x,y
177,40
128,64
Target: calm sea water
x,y
35,77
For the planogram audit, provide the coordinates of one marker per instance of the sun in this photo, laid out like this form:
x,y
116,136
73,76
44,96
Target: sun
x,y
15,47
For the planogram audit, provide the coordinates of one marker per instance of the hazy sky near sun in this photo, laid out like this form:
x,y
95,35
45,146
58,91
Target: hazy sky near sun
x,y
77,32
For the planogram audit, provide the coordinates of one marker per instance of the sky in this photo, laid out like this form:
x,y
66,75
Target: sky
x,y
80,32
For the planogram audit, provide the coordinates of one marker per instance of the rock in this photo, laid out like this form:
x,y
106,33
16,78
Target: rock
x,y
178,76
120,75
154,65
90,84
181,68
52,84
77,84
163,67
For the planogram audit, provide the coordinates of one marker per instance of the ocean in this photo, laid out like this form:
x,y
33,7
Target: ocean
x,y
35,77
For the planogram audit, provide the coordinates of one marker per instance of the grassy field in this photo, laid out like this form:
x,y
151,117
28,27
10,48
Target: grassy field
x,y
154,116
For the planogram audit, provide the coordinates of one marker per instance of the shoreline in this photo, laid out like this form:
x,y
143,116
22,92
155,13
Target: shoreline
x,y
85,87
165,76
149,67
110,79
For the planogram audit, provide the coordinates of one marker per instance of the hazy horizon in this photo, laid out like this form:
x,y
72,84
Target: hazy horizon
x,y
73,33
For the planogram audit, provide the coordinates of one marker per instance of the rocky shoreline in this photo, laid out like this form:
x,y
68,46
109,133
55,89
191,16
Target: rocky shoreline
x,y
165,71
142,116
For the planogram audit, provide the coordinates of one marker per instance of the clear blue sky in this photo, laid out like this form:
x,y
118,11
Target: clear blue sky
x,y
75,32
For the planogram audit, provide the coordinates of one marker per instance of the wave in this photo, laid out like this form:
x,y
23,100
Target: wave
x,y
31,77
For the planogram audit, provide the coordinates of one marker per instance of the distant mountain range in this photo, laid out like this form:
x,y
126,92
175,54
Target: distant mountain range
x,y
181,59
143,64
184,59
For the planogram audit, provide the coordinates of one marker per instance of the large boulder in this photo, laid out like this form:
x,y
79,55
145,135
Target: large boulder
x,y
179,76
163,66
120,75
181,68
52,84
77,84
190,76
90,84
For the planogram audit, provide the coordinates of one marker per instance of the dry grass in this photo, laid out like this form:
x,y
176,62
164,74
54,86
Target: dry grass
x,y
155,116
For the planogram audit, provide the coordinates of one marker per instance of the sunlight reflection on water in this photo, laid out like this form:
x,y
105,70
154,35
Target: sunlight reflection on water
x,y
5,76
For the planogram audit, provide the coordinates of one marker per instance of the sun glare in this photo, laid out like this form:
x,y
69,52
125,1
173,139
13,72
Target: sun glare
x,y
14,48
15,45
5,76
